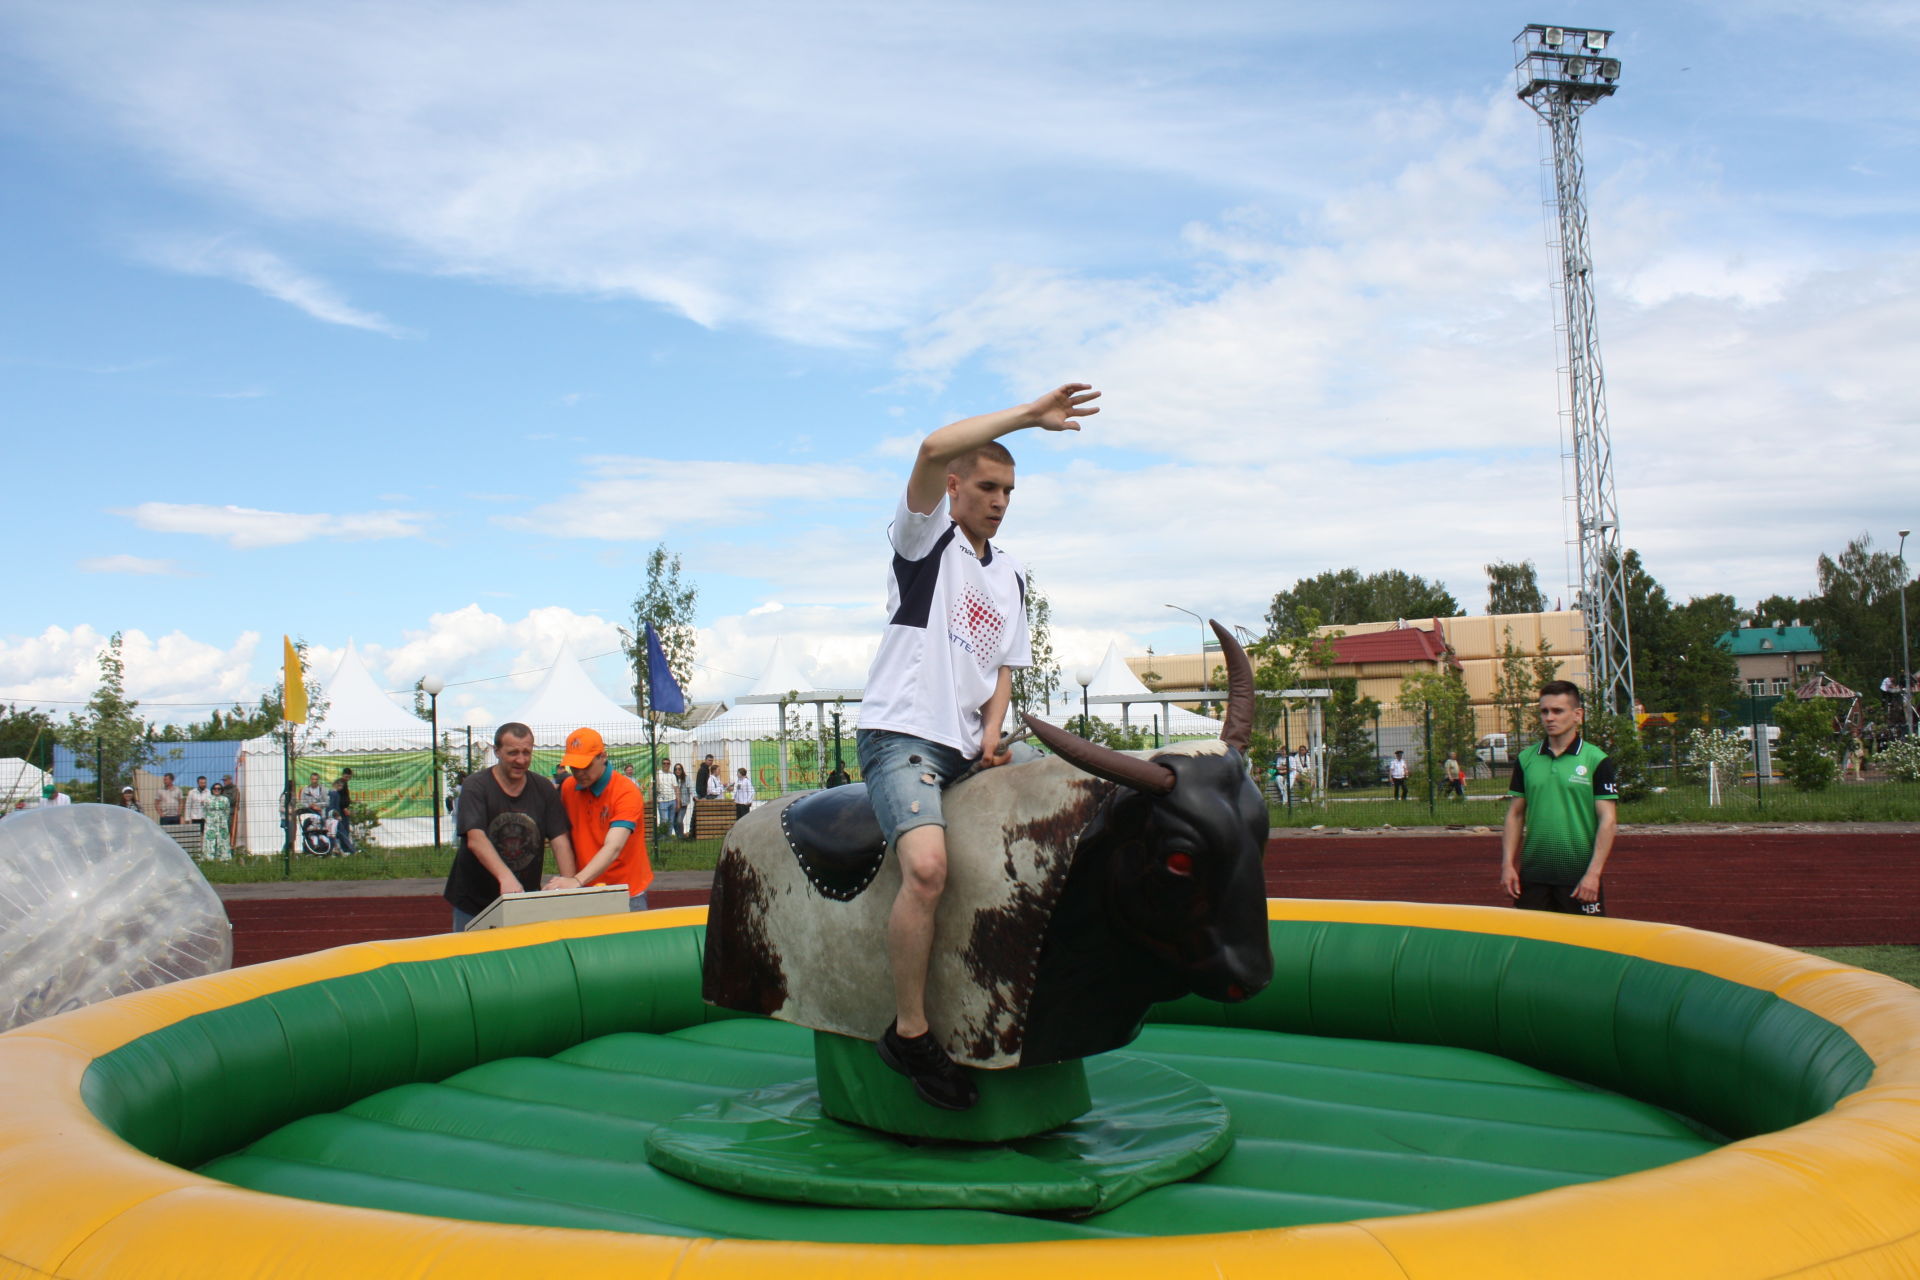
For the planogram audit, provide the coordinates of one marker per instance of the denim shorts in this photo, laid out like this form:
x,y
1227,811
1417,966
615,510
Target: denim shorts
x,y
904,776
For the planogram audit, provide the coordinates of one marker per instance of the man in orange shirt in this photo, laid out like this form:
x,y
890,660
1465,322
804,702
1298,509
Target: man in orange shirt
x,y
607,814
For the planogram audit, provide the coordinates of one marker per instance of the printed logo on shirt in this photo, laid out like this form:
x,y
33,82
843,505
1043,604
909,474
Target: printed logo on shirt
x,y
516,838
976,626
1579,770
1609,789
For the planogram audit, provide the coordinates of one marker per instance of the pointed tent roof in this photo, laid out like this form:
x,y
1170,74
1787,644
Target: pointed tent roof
x,y
1114,678
363,716
567,699
781,675
1823,686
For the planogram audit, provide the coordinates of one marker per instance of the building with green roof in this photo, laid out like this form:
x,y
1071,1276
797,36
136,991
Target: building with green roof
x,y
1771,660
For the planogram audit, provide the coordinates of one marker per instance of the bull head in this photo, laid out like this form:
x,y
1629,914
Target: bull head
x,y
1170,871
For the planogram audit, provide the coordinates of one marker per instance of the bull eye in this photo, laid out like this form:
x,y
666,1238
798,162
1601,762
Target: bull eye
x,y
1180,863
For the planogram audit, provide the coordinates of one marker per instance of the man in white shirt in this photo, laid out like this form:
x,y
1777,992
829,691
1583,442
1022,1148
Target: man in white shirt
x,y
939,687
742,789
1397,772
196,805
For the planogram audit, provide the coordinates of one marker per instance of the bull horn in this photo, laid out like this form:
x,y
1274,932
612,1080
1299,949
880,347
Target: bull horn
x,y
1238,726
1102,762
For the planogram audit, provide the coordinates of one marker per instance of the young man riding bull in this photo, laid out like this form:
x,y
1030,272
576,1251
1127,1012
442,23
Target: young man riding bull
x,y
939,687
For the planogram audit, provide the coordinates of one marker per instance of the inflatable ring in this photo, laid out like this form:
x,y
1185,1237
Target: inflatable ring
x,y
1817,1063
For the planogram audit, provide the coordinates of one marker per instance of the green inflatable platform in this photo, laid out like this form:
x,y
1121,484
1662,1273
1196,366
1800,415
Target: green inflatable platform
x,y
522,1086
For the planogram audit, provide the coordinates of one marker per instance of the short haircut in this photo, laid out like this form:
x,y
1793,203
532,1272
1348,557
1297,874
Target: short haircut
x,y
992,450
511,729
1567,687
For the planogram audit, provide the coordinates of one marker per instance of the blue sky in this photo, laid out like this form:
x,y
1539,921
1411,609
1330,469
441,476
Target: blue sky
x,y
420,324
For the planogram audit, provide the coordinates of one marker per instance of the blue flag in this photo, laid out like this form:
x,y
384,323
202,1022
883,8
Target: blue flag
x,y
663,691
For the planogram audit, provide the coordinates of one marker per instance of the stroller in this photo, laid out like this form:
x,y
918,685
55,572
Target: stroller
x,y
315,838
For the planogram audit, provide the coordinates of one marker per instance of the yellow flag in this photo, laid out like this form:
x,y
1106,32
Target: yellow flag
x,y
296,686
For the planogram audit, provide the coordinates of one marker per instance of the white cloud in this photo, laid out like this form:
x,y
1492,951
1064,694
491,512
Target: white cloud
x,y
249,527
270,274
175,676
640,499
130,564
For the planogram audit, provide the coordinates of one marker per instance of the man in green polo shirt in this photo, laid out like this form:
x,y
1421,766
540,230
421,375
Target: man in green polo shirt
x,y
1561,821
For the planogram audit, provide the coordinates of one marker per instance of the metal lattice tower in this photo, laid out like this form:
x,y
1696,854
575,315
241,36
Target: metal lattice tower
x,y
1561,72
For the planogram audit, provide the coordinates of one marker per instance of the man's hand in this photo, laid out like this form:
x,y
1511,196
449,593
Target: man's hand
x,y
1510,879
561,882
510,885
1056,410
991,752
1588,890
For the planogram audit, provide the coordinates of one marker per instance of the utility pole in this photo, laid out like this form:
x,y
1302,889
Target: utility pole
x,y
1561,71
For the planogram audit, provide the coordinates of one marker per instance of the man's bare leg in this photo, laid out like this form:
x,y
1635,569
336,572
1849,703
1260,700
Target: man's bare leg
x,y
923,878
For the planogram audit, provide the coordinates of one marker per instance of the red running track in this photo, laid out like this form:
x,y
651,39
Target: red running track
x,y
1797,889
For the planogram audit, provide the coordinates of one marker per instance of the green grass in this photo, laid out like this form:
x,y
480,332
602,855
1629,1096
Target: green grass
x,y
1848,802
1894,961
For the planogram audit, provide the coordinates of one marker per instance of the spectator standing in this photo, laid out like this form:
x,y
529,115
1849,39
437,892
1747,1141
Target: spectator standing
x,y
340,807
216,827
127,800
231,790
1456,780
195,807
1397,772
682,800
604,816
716,785
507,816
1561,821
51,796
663,792
168,803
700,777
1302,774
742,795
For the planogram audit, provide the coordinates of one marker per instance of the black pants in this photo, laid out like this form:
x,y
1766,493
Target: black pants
x,y
741,810
1558,897
1399,788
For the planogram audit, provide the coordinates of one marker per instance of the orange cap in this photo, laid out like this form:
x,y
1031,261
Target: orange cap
x,y
582,746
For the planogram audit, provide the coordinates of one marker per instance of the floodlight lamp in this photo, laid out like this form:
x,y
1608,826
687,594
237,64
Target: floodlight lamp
x,y
1553,38
1576,67
1596,40
1609,68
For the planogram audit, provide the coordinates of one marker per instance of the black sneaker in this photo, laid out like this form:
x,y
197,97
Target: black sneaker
x,y
938,1079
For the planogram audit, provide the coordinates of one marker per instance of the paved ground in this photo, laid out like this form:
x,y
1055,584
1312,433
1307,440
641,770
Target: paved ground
x,y
1796,884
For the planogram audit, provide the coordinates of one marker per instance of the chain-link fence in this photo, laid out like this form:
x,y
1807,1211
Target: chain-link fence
x,y
280,813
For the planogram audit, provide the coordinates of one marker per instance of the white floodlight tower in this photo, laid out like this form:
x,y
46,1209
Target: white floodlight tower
x,y
1561,72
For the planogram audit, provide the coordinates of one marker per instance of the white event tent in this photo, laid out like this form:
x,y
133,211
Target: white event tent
x,y
1112,682
567,699
360,719
20,780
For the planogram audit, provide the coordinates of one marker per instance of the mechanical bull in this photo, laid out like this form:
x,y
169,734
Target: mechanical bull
x,y
1082,888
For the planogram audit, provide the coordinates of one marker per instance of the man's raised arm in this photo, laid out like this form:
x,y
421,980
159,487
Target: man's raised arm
x,y
1054,411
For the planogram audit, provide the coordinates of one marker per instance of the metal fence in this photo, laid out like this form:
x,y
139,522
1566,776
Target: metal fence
x,y
401,822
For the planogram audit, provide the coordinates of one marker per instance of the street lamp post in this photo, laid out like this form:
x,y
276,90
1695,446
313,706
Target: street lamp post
x,y
433,685
1906,655
1084,675
1203,649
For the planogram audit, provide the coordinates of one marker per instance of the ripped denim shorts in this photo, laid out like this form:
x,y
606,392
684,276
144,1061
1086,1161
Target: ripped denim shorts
x,y
904,775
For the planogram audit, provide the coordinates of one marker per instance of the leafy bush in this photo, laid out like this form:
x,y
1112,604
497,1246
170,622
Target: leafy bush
x,y
1727,753
1619,737
1901,760
1807,742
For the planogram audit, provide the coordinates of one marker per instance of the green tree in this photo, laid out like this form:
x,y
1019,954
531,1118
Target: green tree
x,y
1679,663
1352,760
1280,661
1514,588
110,738
1514,690
1618,735
1342,597
1857,613
1033,686
668,603
1778,608
1808,739
27,733
1443,695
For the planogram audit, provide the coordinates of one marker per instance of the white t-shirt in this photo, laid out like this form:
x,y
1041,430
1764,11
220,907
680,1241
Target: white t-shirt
x,y
743,790
197,804
953,620
1396,768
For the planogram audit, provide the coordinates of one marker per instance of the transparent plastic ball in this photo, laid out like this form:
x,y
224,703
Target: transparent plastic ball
x,y
97,901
